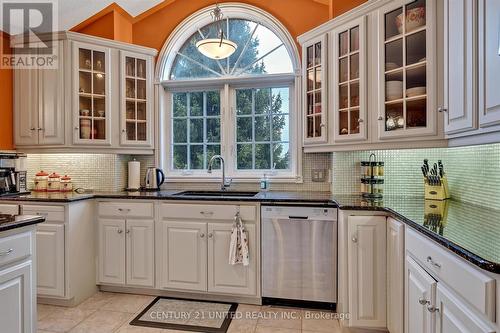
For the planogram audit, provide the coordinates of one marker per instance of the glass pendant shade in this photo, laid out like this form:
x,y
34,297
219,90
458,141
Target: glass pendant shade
x,y
216,48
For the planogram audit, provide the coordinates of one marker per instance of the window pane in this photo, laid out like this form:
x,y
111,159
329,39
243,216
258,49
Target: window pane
x,y
262,129
281,156
213,103
280,100
244,156
180,104
262,156
196,130
281,130
211,151
243,101
196,106
244,129
262,100
180,130
196,157
180,157
213,130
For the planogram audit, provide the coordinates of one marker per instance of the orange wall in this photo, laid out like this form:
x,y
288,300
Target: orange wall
x,y
342,6
6,105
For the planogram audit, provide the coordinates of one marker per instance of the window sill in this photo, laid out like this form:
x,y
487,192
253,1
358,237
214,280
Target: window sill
x,y
237,179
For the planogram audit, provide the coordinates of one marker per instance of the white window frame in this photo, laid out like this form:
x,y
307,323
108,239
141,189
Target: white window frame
x,y
227,85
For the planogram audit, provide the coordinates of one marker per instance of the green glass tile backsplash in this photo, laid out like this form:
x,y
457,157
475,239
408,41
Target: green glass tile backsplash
x,y
473,172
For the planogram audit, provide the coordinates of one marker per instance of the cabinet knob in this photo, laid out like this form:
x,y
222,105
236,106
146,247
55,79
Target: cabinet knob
x,y
423,301
322,125
432,309
120,231
32,129
128,231
442,109
124,130
360,120
210,235
202,235
354,239
77,128
40,129
6,253
432,262
380,118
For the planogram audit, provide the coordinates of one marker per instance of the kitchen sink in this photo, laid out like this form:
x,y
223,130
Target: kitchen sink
x,y
216,194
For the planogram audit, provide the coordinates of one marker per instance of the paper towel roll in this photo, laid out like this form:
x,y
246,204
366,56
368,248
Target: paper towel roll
x,y
134,175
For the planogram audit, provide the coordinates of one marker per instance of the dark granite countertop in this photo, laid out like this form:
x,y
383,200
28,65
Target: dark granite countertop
x,y
19,221
472,232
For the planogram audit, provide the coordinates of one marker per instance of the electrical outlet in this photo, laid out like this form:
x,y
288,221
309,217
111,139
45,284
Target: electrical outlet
x,y
318,175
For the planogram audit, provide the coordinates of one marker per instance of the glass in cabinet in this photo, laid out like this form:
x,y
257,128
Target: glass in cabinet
x,y
135,99
408,75
349,81
92,98
315,108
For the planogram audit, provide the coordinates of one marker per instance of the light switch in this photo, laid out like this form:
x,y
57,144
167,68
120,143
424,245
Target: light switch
x,y
318,175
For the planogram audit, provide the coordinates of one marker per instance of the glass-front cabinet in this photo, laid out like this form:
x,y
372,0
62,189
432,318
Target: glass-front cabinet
x,y
349,81
91,91
315,100
407,69
135,99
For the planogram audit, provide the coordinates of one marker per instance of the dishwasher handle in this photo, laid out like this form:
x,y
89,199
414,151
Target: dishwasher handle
x,y
298,217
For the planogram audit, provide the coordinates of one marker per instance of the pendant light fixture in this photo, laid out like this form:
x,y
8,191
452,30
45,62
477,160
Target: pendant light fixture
x,y
217,48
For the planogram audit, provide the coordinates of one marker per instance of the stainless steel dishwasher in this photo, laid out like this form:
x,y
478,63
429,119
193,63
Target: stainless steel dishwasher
x,y
299,254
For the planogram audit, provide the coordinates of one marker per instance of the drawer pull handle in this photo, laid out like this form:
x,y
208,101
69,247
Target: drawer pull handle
x,y
432,309
207,213
6,253
42,214
435,264
124,210
423,301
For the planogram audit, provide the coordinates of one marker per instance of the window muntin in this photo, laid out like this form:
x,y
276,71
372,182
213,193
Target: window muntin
x,y
196,129
259,51
263,129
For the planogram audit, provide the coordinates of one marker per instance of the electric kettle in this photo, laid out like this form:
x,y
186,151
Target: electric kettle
x,y
154,179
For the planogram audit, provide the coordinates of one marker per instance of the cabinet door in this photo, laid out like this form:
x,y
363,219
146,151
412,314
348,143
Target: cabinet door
x,y
25,107
407,69
459,73
489,62
367,271
315,89
226,278
50,259
112,251
184,255
395,275
420,292
454,316
136,99
17,308
140,252
349,81
91,94
51,102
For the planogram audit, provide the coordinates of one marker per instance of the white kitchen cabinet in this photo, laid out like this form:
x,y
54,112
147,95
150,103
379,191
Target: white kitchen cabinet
x,y
420,291
226,278
18,305
185,255
315,73
349,85
140,252
454,316
366,260
136,99
112,251
50,262
489,62
459,66
395,275
39,104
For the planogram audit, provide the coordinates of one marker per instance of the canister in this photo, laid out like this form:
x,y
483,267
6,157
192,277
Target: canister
x,y
41,180
54,183
66,184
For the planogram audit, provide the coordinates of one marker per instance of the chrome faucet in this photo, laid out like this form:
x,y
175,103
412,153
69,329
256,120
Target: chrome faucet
x,y
224,183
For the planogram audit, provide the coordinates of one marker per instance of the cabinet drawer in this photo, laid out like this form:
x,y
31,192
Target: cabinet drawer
x,y
467,281
51,213
9,209
207,212
15,247
126,209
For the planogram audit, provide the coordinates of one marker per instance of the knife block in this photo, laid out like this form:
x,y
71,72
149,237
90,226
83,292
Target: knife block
x,y
439,192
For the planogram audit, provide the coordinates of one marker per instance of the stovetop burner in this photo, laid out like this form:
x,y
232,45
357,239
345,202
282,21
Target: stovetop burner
x,y
7,218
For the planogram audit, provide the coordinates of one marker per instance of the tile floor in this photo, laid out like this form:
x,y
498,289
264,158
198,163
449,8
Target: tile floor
x,y
111,312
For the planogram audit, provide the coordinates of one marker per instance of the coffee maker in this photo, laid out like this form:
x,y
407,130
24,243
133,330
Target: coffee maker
x,y
13,178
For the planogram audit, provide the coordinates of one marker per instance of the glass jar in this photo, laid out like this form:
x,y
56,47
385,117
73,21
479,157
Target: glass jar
x,y
41,180
372,168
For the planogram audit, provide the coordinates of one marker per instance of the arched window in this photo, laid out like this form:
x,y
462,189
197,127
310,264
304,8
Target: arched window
x,y
242,107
